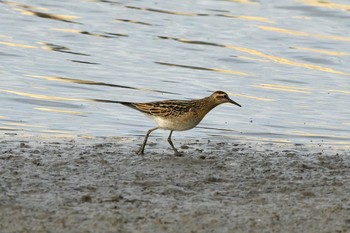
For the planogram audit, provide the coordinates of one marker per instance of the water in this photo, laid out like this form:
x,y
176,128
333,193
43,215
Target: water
x,y
286,62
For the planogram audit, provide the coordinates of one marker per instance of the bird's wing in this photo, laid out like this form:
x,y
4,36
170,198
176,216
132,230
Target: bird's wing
x,y
163,108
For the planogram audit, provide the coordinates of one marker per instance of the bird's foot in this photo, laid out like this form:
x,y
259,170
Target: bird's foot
x,y
178,154
140,151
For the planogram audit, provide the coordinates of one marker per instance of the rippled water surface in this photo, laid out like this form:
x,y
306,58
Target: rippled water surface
x,y
286,62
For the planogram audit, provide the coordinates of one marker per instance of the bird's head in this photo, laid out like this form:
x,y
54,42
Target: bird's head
x,y
220,97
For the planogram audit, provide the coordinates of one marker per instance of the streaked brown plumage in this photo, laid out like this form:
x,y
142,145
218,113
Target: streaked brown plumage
x,y
178,115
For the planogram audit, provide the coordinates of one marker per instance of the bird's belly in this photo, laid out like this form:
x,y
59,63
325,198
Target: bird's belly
x,y
177,124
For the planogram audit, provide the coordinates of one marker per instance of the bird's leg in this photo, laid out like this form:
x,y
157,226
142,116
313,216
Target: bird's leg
x,y
142,148
177,153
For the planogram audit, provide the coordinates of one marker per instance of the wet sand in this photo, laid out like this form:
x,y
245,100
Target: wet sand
x,y
100,185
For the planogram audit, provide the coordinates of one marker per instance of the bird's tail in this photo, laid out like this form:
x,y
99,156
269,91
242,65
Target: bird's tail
x,y
129,104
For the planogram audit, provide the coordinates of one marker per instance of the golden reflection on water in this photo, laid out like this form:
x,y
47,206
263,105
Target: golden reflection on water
x,y
251,58
22,124
301,17
322,51
244,1
14,4
60,111
333,144
284,88
45,46
164,11
38,87
205,68
11,44
257,53
66,80
66,133
250,97
326,4
247,17
340,91
257,138
36,11
285,61
64,18
306,34
271,140
37,96
8,129
306,134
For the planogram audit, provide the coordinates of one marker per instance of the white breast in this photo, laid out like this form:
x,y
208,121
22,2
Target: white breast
x,y
176,124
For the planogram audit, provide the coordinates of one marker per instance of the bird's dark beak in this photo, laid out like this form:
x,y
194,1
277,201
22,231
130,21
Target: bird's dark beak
x,y
233,102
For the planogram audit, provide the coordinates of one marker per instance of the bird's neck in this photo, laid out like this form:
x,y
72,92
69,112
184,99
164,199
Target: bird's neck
x,y
209,104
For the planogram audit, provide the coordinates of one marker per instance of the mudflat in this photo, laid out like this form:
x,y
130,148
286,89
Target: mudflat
x,y
100,185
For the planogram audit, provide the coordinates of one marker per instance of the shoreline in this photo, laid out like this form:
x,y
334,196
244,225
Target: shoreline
x,y
100,185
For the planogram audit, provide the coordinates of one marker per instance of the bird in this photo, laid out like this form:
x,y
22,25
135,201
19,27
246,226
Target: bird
x,y
176,115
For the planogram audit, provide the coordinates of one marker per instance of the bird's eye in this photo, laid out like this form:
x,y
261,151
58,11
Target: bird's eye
x,y
222,97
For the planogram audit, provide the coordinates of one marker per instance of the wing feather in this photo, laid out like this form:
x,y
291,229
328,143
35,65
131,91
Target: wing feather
x,y
164,108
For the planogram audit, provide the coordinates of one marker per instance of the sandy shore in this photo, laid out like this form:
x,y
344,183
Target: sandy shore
x,y
100,185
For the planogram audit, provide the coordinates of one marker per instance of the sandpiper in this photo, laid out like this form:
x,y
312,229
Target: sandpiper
x,y
178,115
